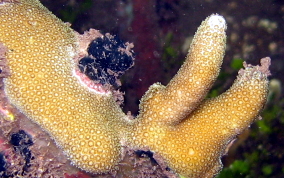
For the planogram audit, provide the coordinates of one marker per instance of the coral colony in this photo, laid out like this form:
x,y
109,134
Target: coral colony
x,y
62,81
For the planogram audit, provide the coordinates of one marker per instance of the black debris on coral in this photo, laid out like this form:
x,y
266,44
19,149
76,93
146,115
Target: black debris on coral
x,y
108,59
2,165
21,142
149,154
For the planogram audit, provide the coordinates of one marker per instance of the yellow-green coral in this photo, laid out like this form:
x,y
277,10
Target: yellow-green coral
x,y
190,134
194,146
42,85
192,143
195,77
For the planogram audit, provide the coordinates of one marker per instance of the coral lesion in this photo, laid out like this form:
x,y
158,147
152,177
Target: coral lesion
x,y
4,70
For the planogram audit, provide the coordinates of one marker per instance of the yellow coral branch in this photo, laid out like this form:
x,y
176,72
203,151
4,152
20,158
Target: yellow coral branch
x,y
42,85
187,89
190,133
193,146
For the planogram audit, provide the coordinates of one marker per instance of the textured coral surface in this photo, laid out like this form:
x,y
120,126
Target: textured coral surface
x,y
175,122
47,91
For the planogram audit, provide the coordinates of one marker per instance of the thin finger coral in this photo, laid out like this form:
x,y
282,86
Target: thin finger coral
x,y
65,82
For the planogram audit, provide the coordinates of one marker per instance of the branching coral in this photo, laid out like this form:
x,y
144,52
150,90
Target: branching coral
x,y
175,121
43,48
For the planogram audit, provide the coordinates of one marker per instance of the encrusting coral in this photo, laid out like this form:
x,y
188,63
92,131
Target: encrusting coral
x,y
83,117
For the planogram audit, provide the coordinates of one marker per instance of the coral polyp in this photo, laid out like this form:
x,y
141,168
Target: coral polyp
x,y
46,59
